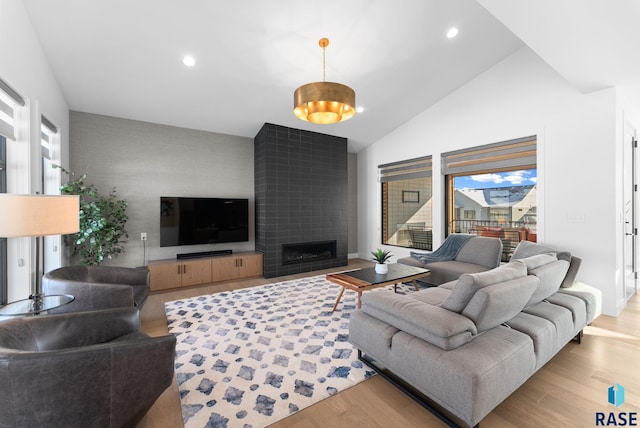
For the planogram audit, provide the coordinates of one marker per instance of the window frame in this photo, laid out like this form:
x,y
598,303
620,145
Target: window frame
x,y
506,156
409,169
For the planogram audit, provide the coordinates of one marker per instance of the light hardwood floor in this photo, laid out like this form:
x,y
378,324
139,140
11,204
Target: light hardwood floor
x,y
567,391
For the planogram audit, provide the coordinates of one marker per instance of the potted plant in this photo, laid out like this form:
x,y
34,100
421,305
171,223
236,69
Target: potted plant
x,y
102,232
381,257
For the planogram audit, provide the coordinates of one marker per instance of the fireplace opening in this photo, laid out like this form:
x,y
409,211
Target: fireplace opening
x,y
308,252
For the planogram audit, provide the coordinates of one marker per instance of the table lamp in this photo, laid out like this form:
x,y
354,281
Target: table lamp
x,y
38,216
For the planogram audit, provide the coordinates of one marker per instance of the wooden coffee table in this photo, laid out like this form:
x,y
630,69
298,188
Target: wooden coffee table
x,y
367,279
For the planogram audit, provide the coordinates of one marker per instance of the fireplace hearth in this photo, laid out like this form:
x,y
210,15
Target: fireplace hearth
x,y
308,252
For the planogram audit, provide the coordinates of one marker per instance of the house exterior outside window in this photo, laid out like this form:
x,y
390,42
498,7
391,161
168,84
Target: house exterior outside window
x,y
492,191
407,214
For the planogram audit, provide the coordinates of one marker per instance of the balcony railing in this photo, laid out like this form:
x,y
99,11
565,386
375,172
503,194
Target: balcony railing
x,y
510,232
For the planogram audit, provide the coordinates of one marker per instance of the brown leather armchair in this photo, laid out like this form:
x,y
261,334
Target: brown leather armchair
x,y
83,369
97,287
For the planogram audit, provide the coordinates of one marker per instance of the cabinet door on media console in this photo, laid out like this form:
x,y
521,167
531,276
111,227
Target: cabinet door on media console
x,y
224,268
196,272
250,265
171,274
234,267
163,276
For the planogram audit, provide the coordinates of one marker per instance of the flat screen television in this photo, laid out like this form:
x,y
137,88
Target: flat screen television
x,y
193,221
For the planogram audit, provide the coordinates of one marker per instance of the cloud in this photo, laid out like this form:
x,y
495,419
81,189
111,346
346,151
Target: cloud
x,y
513,177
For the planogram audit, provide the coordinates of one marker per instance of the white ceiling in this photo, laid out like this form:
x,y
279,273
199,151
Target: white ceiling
x,y
594,44
123,58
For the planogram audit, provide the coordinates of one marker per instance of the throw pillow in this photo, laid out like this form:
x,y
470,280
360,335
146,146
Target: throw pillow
x,y
469,283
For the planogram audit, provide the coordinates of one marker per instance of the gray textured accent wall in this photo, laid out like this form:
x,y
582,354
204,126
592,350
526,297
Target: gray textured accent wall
x,y
145,161
301,188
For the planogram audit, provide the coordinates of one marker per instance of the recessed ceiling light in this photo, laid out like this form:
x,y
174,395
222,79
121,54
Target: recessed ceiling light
x,y
453,31
359,109
189,61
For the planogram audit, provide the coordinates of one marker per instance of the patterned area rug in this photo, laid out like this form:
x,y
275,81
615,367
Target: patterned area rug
x,y
250,357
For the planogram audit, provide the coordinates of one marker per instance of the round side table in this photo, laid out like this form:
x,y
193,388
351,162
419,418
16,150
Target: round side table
x,y
35,305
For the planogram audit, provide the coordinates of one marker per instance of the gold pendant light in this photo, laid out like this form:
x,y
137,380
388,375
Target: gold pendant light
x,y
324,102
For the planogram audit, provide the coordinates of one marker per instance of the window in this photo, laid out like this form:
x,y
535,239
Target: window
x,y
47,131
3,241
49,143
407,203
9,100
491,191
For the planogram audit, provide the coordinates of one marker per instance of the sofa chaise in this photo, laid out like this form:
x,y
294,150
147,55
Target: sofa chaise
x,y
468,344
475,254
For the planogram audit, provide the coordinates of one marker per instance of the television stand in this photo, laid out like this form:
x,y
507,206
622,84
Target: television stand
x,y
203,254
171,273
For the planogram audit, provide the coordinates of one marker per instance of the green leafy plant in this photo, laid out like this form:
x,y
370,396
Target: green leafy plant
x,y
381,256
102,232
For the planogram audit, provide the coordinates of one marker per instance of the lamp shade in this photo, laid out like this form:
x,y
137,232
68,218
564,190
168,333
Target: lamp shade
x,y
324,102
38,215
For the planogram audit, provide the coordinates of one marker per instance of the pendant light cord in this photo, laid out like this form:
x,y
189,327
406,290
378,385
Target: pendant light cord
x,y
323,43
324,67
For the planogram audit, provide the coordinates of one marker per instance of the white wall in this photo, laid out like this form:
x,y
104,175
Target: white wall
x,y
577,159
24,66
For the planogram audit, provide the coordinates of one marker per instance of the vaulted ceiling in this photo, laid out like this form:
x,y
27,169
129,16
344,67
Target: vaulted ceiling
x,y
123,58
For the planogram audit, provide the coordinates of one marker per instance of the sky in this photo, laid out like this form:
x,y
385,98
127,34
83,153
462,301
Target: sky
x,y
526,177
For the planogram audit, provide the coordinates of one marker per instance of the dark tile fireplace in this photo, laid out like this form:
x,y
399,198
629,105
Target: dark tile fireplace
x,y
308,251
301,200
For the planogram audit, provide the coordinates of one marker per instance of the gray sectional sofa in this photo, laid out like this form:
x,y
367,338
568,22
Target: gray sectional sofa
x,y
477,254
468,344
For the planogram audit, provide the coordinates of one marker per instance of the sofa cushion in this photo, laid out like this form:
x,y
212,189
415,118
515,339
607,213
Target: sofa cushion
x,y
534,262
442,272
561,318
411,261
448,285
575,304
432,295
541,331
444,329
495,304
549,270
527,249
469,284
591,296
481,250
570,279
